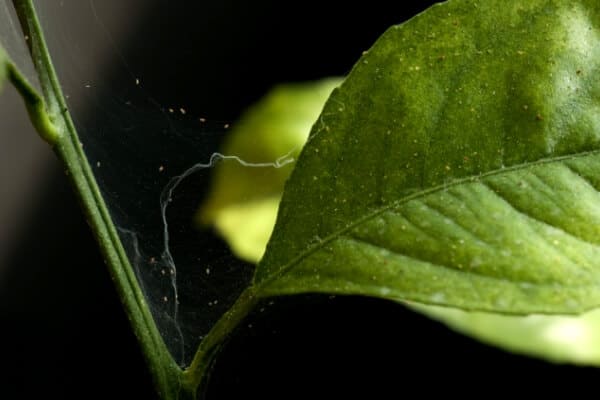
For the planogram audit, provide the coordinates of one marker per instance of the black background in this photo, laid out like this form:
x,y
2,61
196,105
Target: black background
x,y
63,333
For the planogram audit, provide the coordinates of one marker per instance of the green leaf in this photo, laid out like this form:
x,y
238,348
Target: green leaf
x,y
573,339
242,202
457,165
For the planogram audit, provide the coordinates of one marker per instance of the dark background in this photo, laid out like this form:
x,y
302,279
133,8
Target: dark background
x,y
63,333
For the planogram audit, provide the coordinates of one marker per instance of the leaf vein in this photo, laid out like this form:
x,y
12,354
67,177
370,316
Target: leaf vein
x,y
439,265
526,214
315,247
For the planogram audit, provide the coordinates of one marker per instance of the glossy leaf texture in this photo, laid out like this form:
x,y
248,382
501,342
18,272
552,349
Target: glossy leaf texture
x,y
457,165
242,201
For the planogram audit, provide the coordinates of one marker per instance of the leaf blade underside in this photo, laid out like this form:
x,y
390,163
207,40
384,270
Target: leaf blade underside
x,y
556,338
455,166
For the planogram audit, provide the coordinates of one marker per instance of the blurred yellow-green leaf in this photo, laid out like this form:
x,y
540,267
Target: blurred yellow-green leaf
x,y
572,339
242,202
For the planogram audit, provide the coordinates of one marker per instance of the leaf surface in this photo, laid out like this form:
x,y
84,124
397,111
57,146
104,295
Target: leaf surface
x,y
457,165
574,339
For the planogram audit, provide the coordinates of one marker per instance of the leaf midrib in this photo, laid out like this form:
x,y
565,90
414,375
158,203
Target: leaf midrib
x,y
336,234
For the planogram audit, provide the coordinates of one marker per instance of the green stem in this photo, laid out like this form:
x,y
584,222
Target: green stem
x,y
35,106
199,369
50,116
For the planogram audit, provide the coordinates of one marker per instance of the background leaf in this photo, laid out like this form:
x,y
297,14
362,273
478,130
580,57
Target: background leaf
x,y
574,339
242,203
457,165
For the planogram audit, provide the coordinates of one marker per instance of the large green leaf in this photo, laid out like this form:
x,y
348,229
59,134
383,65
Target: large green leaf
x,y
457,165
557,338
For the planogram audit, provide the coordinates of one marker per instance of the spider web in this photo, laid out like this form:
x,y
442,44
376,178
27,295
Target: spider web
x,y
151,157
153,88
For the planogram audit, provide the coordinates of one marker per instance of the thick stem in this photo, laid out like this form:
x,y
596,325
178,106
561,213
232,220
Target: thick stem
x,y
199,369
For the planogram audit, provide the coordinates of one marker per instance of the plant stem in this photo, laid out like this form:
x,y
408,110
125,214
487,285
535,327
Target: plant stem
x,y
199,369
50,116
35,106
